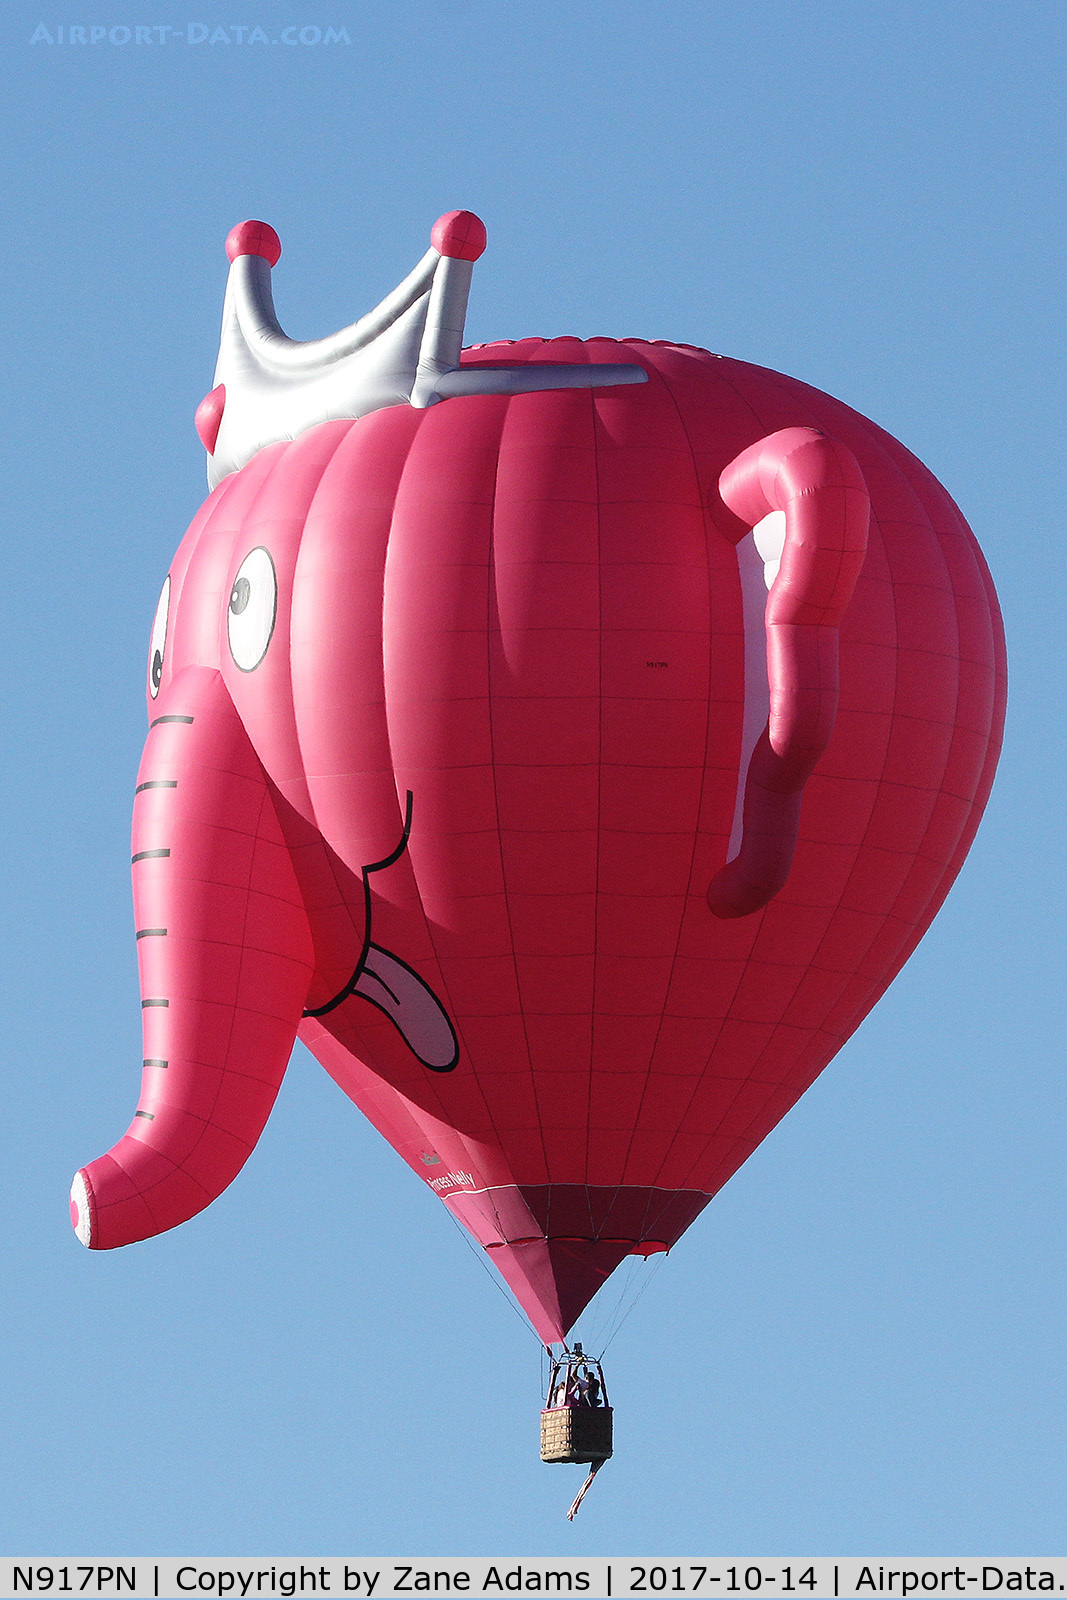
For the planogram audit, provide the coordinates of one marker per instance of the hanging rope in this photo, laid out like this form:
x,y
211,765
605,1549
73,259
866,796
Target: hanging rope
x,y
584,1490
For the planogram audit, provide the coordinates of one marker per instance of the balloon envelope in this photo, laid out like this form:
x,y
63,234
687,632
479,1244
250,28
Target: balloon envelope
x,y
565,697
573,823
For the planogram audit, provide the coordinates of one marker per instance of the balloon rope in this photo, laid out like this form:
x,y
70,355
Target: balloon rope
x,y
604,1326
480,1256
662,1256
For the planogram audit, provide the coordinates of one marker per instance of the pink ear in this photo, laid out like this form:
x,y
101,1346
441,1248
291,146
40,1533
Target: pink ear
x,y
818,484
208,417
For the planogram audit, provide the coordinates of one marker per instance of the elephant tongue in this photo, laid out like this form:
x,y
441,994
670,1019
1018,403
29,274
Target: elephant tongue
x,y
554,1279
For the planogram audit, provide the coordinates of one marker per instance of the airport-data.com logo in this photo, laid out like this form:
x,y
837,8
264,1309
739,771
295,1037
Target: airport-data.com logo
x,y
195,33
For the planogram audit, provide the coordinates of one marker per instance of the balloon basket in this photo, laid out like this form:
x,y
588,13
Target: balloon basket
x,y
576,1423
574,1434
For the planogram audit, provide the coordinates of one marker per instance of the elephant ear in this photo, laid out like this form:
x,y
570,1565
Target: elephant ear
x,y
412,1007
817,484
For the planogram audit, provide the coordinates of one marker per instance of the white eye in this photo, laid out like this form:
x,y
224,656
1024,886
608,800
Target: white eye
x,y
252,610
159,640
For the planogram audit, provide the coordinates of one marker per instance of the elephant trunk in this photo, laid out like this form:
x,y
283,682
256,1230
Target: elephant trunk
x,y
225,961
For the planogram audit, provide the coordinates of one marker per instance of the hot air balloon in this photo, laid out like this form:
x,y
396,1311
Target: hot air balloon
x,y
568,739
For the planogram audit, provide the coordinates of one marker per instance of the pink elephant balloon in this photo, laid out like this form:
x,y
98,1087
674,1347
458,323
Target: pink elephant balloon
x,y
569,740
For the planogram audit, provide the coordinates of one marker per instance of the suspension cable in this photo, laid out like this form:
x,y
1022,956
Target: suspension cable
x,y
480,1255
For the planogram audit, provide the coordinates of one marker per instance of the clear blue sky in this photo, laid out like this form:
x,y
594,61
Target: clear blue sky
x,y
858,1349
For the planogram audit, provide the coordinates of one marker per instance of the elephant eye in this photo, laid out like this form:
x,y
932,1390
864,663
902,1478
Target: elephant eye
x,y
252,609
158,645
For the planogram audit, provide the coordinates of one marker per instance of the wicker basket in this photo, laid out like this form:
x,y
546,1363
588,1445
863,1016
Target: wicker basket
x,y
576,1433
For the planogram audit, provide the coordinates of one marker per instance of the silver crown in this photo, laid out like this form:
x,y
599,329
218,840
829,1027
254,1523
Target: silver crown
x,y
406,351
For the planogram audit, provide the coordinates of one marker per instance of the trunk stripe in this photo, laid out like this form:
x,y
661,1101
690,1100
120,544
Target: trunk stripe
x,y
151,1061
149,1116
157,783
151,933
148,855
145,1003
158,720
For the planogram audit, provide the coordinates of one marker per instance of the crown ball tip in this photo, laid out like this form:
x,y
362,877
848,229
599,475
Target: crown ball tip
x,y
254,239
459,234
